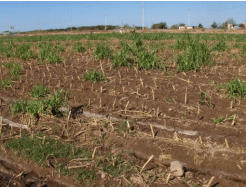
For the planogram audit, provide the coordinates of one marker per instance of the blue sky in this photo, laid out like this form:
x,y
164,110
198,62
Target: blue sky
x,y
31,15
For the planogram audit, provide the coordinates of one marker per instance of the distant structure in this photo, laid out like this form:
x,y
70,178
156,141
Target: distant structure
x,y
182,27
6,33
245,24
185,27
230,26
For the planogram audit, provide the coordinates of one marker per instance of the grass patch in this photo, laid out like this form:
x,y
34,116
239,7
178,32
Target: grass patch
x,y
61,153
195,56
95,76
39,91
35,150
46,52
137,55
48,105
235,88
103,52
79,47
15,69
5,84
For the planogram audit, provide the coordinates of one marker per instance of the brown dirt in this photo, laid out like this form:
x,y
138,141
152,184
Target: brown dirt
x,y
154,97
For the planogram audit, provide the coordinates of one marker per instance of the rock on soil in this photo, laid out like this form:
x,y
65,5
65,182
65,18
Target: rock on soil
x,y
177,169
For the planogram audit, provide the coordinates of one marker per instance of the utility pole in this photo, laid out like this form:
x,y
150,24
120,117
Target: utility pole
x,y
143,17
105,21
9,22
188,17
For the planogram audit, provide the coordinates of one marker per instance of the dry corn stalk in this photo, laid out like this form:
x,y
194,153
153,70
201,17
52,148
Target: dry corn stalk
x,y
150,158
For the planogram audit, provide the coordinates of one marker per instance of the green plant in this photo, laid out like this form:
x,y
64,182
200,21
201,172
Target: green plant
x,y
195,56
244,50
221,45
235,88
48,105
5,84
205,99
47,53
79,47
136,54
39,91
95,76
233,116
15,69
102,52
218,120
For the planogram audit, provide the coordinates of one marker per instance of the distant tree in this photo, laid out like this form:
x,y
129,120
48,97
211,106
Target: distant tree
x,y
181,24
161,25
126,26
200,25
241,25
231,21
228,21
175,26
214,25
224,25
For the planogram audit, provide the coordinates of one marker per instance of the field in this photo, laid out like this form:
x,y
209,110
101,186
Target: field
x,y
114,109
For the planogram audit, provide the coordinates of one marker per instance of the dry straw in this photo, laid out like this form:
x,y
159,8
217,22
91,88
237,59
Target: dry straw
x,y
150,158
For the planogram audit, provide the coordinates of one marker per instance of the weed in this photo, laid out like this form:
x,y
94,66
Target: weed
x,y
232,117
47,53
220,46
219,86
136,54
235,88
218,120
196,55
95,76
102,52
23,51
244,50
5,84
59,48
48,105
169,99
15,69
79,47
205,99
39,91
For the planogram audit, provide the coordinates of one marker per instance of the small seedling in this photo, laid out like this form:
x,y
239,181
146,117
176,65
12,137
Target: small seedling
x,y
218,120
205,99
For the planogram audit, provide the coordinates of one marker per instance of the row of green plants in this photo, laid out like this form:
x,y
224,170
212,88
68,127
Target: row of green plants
x,y
126,36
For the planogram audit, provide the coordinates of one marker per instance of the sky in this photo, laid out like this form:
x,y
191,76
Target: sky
x,y
33,15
